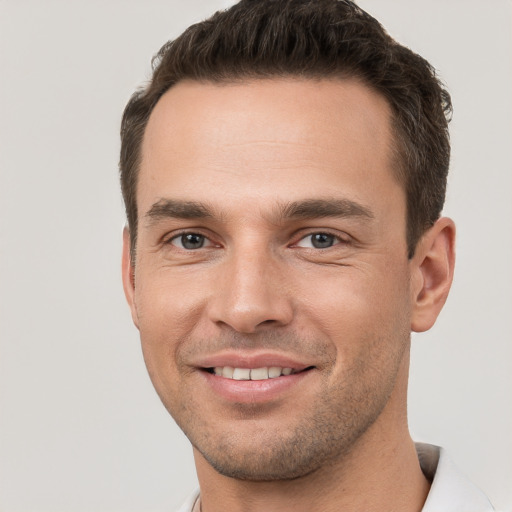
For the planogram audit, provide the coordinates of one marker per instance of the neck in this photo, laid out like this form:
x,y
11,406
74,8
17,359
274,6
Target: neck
x,y
380,473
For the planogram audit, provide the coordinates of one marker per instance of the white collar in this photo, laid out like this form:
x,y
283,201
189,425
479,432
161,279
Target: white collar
x,y
451,491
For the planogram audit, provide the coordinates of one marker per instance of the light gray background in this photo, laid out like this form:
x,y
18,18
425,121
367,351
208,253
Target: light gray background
x,y
81,428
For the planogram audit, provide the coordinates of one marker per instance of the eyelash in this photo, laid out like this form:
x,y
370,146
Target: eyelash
x,y
337,240
177,236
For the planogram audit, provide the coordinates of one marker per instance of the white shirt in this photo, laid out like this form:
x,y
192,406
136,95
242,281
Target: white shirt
x,y
450,490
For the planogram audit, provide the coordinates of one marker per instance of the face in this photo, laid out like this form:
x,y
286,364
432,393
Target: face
x,y
272,286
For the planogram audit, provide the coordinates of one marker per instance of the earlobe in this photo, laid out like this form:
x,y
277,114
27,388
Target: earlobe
x,y
128,276
432,273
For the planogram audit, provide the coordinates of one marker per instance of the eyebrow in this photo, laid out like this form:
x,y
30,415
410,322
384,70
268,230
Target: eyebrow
x,y
316,208
305,209
171,208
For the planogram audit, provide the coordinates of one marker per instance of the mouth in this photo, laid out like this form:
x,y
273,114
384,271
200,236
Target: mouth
x,y
255,377
263,373
260,384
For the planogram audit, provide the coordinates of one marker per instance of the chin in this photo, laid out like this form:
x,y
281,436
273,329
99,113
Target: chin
x,y
279,456
263,467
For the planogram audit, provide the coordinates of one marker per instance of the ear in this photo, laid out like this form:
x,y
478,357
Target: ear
x,y
128,277
432,273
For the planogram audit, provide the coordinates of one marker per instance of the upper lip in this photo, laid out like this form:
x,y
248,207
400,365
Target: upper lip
x,y
237,359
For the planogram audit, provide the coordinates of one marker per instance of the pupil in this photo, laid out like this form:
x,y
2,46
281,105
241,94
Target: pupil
x,y
322,240
192,241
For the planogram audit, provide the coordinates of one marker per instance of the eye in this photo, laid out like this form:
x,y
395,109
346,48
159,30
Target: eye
x,y
318,241
190,241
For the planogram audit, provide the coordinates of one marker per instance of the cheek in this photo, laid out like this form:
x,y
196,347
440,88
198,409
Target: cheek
x,y
353,291
355,307
167,313
167,302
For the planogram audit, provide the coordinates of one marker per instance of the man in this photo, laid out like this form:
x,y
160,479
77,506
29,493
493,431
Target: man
x,y
284,174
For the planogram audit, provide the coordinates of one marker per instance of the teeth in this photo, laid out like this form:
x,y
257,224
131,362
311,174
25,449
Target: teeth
x,y
227,372
274,371
242,374
251,373
259,374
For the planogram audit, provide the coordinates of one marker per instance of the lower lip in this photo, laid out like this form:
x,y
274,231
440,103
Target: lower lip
x,y
254,391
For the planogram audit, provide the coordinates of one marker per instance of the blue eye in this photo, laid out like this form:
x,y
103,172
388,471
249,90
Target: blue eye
x,y
318,241
190,241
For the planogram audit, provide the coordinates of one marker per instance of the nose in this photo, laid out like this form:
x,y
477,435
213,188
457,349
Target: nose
x,y
251,293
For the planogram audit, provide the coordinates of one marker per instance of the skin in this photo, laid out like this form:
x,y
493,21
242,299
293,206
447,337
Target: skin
x,y
259,287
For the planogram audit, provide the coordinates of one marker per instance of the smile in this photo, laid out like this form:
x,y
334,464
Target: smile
x,y
264,373
254,383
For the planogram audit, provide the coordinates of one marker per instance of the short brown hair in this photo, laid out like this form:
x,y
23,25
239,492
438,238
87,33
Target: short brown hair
x,y
308,39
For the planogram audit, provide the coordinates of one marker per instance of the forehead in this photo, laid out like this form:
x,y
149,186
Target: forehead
x,y
268,137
